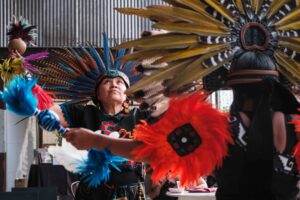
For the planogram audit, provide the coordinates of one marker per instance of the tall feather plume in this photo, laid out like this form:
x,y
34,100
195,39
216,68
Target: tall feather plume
x,y
291,17
288,63
215,39
256,5
290,33
218,16
292,54
192,4
288,75
147,68
180,14
176,3
285,8
239,5
264,9
290,43
162,41
193,49
200,68
203,49
187,40
248,8
159,75
106,52
93,52
275,6
91,63
145,54
229,5
219,8
120,54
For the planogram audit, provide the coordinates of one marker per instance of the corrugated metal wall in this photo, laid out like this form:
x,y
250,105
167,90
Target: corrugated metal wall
x,y
72,22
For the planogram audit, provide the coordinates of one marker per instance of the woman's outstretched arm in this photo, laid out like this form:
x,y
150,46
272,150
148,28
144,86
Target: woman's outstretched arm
x,y
83,139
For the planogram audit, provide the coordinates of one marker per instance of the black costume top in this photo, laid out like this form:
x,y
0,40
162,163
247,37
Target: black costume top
x,y
126,183
240,179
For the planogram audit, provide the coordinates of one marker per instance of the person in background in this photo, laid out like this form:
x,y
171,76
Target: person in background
x,y
264,138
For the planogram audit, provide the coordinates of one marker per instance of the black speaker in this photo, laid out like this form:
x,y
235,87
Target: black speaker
x,y
44,193
19,196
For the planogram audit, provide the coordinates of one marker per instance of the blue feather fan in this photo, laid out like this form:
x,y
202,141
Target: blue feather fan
x,y
96,169
18,96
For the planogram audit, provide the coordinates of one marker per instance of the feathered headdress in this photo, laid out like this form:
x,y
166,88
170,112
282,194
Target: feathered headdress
x,y
201,40
204,36
19,66
73,74
21,34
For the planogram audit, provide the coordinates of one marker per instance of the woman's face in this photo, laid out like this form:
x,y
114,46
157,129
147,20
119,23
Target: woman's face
x,y
112,90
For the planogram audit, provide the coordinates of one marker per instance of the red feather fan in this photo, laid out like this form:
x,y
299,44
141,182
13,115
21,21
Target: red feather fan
x,y
188,142
44,100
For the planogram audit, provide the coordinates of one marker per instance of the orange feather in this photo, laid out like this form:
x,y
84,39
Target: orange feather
x,y
211,126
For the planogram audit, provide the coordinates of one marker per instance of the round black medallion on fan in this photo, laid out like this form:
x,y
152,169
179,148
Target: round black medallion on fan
x,y
184,139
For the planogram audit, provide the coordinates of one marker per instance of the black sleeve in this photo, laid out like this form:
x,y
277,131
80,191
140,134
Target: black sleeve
x,y
73,114
139,115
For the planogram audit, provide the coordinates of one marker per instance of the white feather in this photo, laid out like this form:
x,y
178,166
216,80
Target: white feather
x,y
148,63
68,156
160,107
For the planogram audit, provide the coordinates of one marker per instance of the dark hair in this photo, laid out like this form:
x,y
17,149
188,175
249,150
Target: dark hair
x,y
261,85
253,60
251,66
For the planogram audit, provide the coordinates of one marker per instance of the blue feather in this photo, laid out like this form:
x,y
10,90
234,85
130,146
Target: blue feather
x,y
96,169
82,49
76,87
128,67
134,79
120,54
68,69
97,58
18,96
75,83
59,87
75,54
85,79
92,74
106,52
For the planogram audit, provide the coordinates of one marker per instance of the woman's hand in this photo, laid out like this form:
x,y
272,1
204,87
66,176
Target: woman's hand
x,y
82,138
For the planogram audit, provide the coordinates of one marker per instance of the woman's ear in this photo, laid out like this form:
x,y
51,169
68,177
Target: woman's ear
x,y
126,105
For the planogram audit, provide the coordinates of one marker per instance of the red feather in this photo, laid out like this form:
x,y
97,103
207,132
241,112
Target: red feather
x,y
296,153
44,100
211,125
